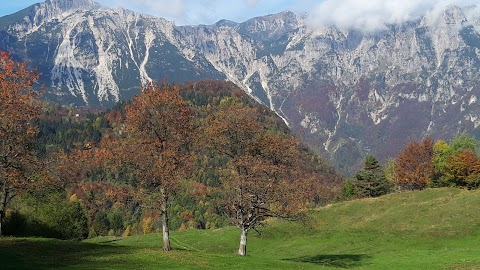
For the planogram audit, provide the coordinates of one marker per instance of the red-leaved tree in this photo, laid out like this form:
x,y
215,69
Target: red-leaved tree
x,y
18,109
414,165
260,180
159,129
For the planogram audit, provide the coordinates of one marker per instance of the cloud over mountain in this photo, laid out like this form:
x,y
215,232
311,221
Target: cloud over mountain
x,y
374,15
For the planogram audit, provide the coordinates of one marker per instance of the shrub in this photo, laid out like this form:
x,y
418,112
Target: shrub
x,y
50,216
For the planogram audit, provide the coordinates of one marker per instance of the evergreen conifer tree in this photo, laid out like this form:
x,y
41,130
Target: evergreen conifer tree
x,y
371,180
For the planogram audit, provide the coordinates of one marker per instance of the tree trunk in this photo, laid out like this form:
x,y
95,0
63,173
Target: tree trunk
x,y
1,221
242,251
166,232
3,208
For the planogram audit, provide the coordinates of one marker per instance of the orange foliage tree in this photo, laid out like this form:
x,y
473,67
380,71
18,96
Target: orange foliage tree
x,y
159,129
18,109
259,180
414,165
464,169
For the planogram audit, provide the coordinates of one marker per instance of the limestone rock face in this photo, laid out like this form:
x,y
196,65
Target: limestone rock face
x,y
347,93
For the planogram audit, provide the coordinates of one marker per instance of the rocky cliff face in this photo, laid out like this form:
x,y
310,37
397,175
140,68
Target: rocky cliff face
x,y
347,93
90,55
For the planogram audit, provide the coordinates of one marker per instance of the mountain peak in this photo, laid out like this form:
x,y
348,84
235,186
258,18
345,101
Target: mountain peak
x,y
32,18
226,23
72,5
270,26
453,13
284,15
448,16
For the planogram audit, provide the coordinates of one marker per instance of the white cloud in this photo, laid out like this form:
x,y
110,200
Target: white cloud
x,y
374,15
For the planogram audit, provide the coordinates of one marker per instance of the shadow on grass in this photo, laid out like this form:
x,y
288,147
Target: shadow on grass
x,y
109,241
37,253
340,261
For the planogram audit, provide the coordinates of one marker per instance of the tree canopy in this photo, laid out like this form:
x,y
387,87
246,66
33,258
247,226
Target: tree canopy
x,y
18,109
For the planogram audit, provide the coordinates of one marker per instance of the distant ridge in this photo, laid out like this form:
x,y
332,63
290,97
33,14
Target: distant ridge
x,y
347,93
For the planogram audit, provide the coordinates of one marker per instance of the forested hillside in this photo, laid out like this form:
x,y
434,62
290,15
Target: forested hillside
x,y
199,155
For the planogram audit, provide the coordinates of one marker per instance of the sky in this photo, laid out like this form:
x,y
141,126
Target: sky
x,y
191,11
365,15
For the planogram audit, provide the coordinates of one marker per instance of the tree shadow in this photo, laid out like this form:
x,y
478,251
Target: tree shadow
x,y
339,261
108,241
19,253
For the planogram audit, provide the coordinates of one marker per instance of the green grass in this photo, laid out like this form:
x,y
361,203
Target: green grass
x,y
432,229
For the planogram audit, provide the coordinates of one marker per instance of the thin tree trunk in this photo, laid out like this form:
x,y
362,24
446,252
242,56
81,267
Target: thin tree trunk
x,y
3,208
242,251
166,232
1,221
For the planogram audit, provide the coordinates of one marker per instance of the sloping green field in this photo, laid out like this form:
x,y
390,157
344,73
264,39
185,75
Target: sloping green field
x,y
432,229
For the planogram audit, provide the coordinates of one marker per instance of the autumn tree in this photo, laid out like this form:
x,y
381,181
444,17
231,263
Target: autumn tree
x,y
159,127
414,165
258,181
463,169
18,109
455,162
443,150
441,153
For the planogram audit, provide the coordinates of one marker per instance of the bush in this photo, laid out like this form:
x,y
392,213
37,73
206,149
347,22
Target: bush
x,y
15,223
349,188
71,222
50,216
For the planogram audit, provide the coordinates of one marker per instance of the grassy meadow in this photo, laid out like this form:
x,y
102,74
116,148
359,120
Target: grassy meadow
x,y
431,229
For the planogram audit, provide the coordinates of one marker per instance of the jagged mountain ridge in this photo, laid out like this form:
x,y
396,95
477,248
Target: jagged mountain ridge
x,y
91,55
348,93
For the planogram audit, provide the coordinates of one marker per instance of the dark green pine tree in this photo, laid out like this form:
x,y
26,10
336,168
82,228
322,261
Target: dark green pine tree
x,y
371,180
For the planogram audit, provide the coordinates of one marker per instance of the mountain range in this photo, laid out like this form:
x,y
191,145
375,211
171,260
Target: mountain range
x,y
346,92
